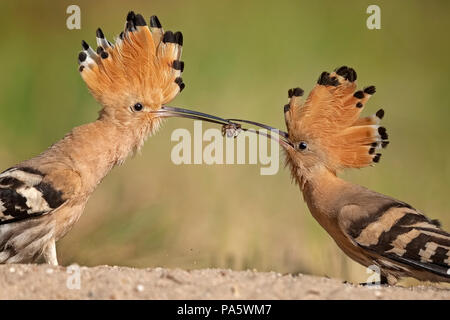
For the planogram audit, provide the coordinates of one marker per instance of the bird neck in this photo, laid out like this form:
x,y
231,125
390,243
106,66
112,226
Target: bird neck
x,y
95,148
321,191
320,180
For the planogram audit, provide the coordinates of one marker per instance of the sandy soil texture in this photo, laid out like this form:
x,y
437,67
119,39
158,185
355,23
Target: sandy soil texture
x,y
105,282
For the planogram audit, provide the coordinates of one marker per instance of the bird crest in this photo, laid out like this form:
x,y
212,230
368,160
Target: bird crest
x,y
330,117
142,65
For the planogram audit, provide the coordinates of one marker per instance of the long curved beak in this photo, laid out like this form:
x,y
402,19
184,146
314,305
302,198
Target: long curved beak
x,y
227,124
282,138
170,112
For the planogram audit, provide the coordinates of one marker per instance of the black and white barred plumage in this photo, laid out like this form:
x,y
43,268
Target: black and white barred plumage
x,y
403,242
24,195
26,198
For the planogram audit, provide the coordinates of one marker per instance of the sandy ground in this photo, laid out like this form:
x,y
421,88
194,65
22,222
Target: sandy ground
x,y
105,282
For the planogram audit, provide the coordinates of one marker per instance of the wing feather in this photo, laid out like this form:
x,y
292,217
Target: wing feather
x,y
402,235
24,194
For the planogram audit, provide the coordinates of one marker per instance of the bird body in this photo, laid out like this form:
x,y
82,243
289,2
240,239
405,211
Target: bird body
x,y
71,169
364,223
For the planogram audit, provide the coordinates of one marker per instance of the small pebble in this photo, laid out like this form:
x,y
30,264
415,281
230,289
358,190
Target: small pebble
x,y
234,290
312,292
12,269
49,271
140,288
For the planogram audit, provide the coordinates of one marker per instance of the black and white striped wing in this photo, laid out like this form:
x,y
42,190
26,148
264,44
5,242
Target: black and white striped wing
x,y
403,235
24,194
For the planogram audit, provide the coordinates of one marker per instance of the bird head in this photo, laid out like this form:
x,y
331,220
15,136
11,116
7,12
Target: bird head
x,y
134,78
326,130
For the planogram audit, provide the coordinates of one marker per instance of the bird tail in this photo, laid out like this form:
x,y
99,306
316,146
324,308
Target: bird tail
x,y
144,61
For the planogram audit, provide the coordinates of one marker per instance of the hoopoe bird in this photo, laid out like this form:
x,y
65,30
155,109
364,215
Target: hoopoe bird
x,y
326,135
133,79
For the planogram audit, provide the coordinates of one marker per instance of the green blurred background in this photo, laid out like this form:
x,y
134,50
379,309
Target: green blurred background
x,y
241,57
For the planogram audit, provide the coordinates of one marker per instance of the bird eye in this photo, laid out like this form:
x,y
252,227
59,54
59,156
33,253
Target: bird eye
x,y
138,107
302,145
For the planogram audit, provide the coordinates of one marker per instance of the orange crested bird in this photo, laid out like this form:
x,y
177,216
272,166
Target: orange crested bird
x,y
133,79
326,135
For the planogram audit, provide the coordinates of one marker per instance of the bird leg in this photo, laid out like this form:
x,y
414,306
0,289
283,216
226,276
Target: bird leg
x,y
384,281
49,253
